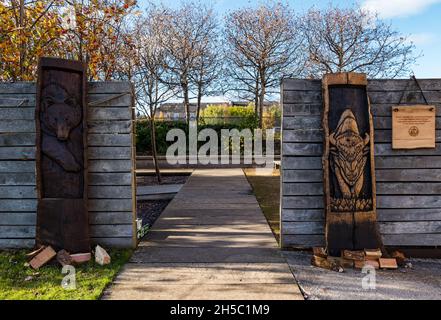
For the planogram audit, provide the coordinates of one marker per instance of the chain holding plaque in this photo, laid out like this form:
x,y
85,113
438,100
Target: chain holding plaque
x,y
413,127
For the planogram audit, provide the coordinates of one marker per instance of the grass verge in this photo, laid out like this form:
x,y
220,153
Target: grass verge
x,y
266,188
18,282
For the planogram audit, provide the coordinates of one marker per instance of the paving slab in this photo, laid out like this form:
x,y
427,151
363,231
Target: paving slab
x,y
211,242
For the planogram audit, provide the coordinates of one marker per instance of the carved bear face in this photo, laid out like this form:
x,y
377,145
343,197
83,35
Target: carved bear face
x,y
60,112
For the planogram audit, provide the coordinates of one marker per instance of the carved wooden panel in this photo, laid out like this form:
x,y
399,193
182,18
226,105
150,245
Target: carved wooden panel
x,y
61,159
348,164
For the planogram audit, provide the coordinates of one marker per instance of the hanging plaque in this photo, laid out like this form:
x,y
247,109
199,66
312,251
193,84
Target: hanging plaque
x,y
413,127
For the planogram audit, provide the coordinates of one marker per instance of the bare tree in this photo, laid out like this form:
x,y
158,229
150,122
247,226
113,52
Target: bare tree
x,y
354,40
151,76
262,47
187,30
207,68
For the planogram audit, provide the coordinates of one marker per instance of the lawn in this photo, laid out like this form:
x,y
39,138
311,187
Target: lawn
x,y
18,282
266,188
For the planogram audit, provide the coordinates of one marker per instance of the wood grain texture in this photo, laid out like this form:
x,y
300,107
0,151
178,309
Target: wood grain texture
x,y
408,181
111,173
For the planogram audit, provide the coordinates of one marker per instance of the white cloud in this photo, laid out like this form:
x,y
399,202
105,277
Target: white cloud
x,y
423,38
397,8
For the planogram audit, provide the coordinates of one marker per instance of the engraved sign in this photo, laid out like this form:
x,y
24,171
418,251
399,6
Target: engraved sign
x,y
413,127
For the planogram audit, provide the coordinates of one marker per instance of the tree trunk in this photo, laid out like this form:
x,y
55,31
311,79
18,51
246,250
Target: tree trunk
x,y
184,86
261,100
256,97
198,110
154,152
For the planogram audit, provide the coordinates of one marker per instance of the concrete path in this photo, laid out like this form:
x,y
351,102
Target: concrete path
x,y
211,242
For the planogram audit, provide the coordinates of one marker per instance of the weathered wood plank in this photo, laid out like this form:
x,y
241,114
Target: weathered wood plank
x,y
303,135
17,139
17,243
383,202
17,113
301,123
390,215
93,87
17,87
409,175
393,97
302,176
408,188
118,217
17,126
110,204
316,135
17,153
407,162
385,109
17,166
409,214
313,122
430,239
110,192
109,166
303,241
12,205
112,87
303,215
109,113
381,149
14,232
410,227
18,192
302,149
109,153
373,85
109,100
302,202
108,139
302,227
383,188
110,179
18,218
307,189
409,201
302,109
126,242
290,162
110,231
17,179
309,97
114,127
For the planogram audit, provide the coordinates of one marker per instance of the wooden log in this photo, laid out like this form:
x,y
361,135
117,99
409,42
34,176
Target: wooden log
x,y
348,164
17,153
18,218
16,178
17,166
61,157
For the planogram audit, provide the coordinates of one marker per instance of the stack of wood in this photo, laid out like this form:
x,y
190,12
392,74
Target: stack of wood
x,y
352,259
45,254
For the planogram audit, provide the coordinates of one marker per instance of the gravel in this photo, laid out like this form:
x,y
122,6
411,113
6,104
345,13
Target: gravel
x,y
422,281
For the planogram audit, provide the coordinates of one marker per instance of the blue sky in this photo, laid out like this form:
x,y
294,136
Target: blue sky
x,y
419,19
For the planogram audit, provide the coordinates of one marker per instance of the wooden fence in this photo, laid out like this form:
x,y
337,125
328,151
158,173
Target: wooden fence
x,y
112,194
408,181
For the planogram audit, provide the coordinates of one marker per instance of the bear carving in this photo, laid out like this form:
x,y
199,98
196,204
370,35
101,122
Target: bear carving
x,y
61,142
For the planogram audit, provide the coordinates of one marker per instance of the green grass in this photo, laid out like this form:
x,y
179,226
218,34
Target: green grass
x,y
266,188
91,278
